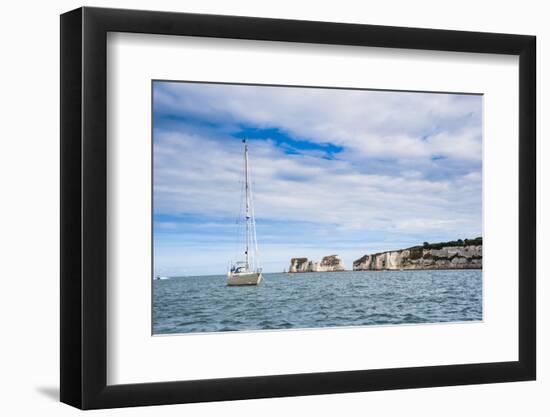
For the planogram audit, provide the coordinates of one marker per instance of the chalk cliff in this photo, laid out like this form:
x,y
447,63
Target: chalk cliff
x,y
329,263
299,265
438,256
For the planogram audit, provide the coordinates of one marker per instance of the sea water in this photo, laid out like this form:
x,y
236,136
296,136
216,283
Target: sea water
x,y
313,300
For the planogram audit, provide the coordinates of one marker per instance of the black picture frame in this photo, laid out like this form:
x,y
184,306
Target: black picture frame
x,y
84,207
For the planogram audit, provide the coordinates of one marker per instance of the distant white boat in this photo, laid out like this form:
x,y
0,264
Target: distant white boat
x,y
159,278
247,271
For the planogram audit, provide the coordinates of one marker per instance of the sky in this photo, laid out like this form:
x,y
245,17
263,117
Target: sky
x,y
334,171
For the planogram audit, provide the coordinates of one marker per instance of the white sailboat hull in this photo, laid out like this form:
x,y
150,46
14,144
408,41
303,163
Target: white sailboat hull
x,y
244,278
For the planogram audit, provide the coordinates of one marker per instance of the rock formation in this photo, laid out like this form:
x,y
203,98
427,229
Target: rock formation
x,y
437,256
298,265
331,263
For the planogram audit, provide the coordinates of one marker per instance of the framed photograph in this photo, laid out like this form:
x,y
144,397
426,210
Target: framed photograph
x,y
257,208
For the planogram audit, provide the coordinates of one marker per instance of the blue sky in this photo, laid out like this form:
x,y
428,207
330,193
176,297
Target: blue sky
x,y
335,171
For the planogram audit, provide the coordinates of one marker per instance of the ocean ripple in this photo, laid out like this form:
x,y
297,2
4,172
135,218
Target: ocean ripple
x,y
312,300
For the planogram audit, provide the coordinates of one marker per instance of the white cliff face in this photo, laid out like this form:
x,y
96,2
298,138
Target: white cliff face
x,y
329,263
435,256
448,257
298,265
461,251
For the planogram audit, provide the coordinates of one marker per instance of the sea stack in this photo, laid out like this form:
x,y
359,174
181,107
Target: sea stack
x,y
298,265
330,263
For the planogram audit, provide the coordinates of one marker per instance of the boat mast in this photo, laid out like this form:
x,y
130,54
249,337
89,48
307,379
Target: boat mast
x,y
247,203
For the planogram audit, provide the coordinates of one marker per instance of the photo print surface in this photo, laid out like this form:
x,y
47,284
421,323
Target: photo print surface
x,y
286,207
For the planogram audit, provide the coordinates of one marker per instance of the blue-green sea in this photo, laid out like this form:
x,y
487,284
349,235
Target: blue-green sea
x,y
312,300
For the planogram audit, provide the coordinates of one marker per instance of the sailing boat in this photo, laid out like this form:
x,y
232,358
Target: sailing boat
x,y
247,272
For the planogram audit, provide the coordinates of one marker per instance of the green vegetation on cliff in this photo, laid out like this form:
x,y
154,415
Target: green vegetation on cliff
x,y
466,242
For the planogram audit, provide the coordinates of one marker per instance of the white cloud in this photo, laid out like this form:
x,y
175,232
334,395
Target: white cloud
x,y
196,175
380,123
